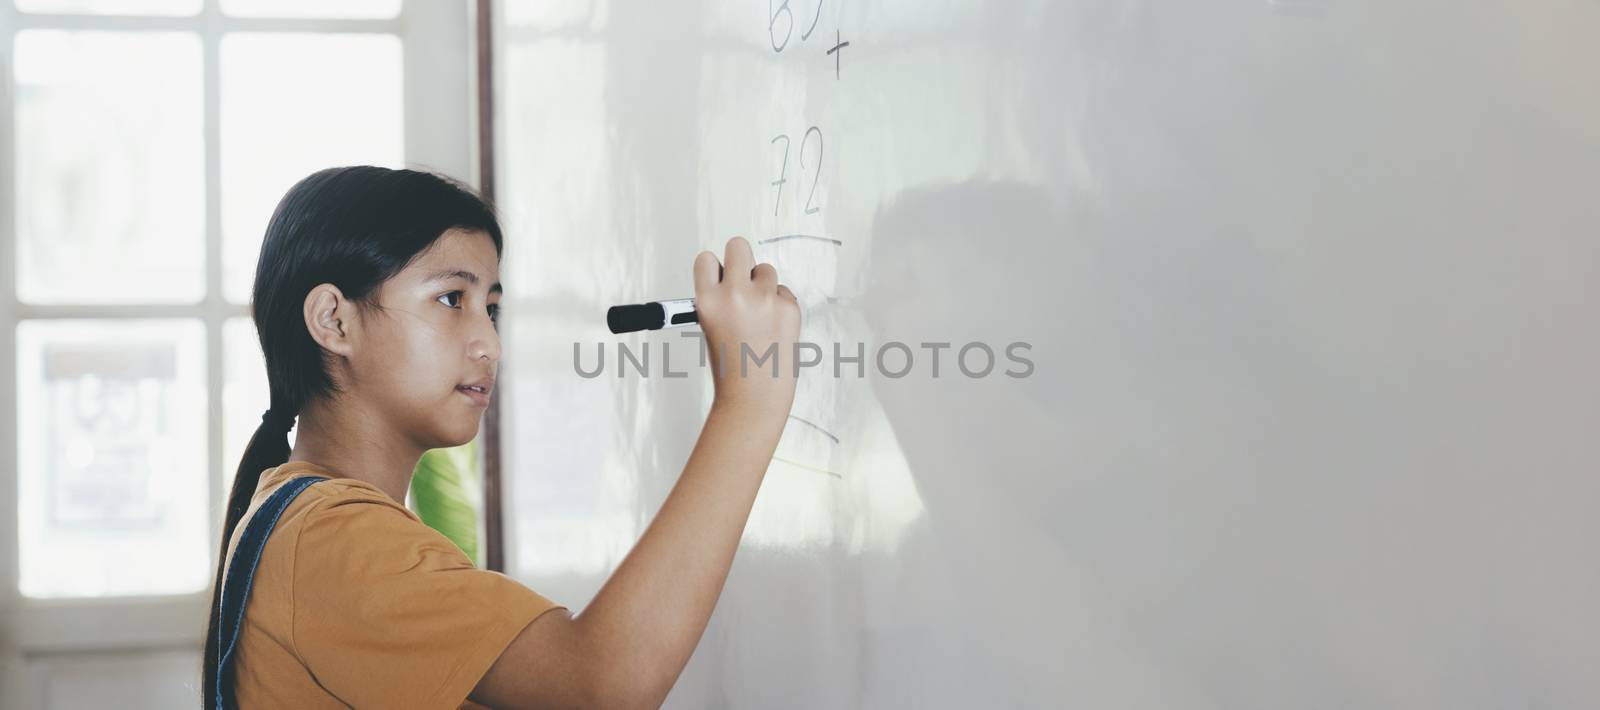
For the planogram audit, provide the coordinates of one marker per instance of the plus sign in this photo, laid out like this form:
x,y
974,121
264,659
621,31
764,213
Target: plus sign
x,y
837,45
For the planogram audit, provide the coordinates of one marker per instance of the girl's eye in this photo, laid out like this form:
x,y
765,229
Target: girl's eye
x,y
494,312
455,299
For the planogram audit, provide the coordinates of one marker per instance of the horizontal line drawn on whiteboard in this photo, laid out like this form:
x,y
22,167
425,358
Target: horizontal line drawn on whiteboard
x,y
800,236
825,432
797,464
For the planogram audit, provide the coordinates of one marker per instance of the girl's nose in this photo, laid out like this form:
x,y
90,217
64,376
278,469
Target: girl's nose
x,y
486,344
486,349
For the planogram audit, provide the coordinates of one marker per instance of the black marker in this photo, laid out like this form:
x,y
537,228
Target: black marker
x,y
651,316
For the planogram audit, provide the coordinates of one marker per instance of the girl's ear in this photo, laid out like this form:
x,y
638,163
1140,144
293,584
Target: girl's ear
x,y
329,318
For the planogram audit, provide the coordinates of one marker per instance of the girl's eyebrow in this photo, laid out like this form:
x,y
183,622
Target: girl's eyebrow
x,y
454,273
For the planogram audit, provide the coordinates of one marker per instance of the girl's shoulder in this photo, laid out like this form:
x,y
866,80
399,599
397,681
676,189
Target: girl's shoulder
x,y
339,508
349,503
336,491
342,517
332,491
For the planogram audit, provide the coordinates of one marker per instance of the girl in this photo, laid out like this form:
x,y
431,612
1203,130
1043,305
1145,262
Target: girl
x,y
375,301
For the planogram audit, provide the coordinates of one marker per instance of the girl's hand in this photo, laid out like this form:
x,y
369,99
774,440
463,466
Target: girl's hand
x,y
740,304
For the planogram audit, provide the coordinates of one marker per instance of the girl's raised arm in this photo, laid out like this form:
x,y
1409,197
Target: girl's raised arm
x,y
627,647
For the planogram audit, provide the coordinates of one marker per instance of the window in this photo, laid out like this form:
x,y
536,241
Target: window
x,y
112,490
143,145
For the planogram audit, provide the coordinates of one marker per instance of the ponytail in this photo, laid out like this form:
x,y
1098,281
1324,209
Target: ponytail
x,y
269,447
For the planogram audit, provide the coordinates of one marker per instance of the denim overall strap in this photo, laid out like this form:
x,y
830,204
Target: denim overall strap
x,y
236,587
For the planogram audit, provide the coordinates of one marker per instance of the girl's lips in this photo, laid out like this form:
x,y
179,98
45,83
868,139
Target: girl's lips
x,y
479,398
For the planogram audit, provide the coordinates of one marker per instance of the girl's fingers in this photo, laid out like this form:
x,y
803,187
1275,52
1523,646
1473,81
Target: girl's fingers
x,y
765,277
707,271
739,260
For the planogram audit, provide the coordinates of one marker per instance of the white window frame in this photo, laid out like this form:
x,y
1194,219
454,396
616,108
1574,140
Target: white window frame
x,y
439,134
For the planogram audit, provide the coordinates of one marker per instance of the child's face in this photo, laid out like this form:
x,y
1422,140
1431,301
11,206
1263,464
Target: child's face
x,y
433,341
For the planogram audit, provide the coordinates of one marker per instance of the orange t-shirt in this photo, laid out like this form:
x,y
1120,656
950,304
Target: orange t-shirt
x,y
357,603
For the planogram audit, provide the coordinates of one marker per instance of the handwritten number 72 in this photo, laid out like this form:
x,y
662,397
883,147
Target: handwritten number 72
x,y
783,169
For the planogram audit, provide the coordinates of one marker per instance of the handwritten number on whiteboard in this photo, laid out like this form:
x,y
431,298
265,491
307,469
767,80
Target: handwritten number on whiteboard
x,y
811,195
783,170
782,173
772,23
807,34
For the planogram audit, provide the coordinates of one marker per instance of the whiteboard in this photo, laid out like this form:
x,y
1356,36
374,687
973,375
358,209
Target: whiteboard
x,y
1308,291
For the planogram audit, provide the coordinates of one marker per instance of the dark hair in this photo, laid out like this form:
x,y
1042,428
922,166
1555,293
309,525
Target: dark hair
x,y
353,227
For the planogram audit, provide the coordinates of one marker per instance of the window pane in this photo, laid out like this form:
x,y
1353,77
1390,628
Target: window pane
x,y
110,175
312,8
293,104
112,484
244,394
112,7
